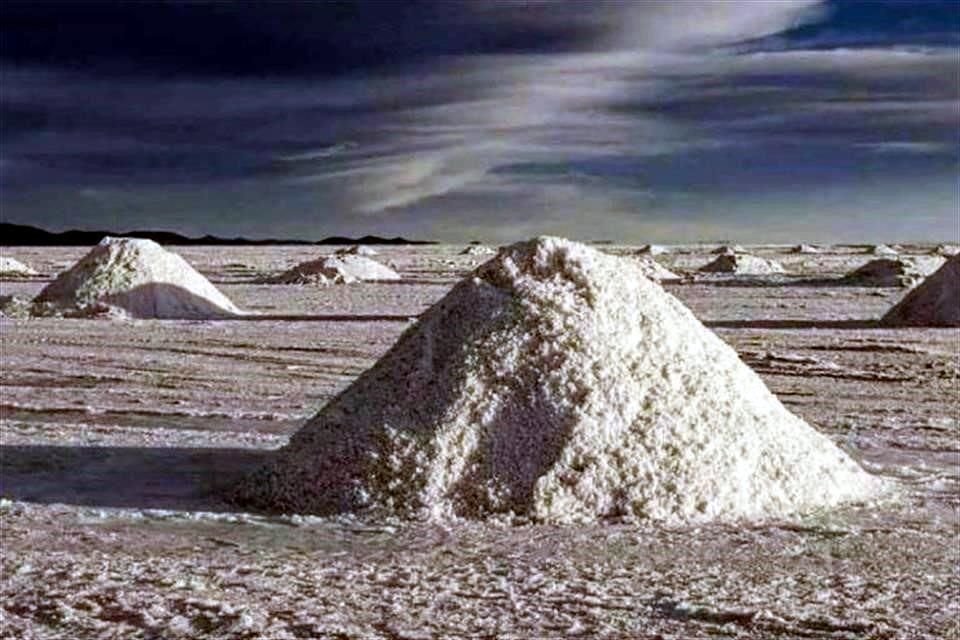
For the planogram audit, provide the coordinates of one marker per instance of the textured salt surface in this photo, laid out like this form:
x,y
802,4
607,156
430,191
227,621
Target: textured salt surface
x,y
558,384
11,267
138,277
894,272
742,263
934,303
337,269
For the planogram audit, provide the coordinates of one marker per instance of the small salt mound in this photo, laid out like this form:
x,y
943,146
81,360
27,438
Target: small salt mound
x,y
357,250
655,271
882,250
651,250
804,248
478,250
141,278
13,268
558,384
934,303
893,272
727,250
743,264
945,250
335,269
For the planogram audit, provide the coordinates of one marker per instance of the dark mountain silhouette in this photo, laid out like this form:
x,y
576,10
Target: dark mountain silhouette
x,y
12,235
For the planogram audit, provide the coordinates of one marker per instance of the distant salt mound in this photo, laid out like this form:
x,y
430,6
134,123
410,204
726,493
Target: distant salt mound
x,y
882,250
893,272
357,250
335,269
558,384
945,250
652,250
934,303
139,277
743,264
728,250
13,268
804,248
655,271
478,250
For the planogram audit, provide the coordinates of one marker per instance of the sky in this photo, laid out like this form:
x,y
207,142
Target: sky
x,y
633,120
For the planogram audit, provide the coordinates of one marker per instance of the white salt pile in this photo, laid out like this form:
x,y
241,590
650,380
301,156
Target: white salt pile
x,y
655,271
478,250
139,277
934,303
893,272
727,250
357,250
13,268
651,250
882,250
743,264
558,384
945,250
335,269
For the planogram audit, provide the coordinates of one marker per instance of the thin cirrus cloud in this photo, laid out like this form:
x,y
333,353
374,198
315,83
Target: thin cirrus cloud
x,y
646,120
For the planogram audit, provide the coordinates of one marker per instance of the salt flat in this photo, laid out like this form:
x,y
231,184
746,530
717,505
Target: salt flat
x,y
118,437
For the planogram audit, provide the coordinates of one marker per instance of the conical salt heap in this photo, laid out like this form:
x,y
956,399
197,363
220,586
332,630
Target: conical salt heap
x,y
894,272
342,268
654,270
13,268
934,303
557,383
743,264
139,277
357,250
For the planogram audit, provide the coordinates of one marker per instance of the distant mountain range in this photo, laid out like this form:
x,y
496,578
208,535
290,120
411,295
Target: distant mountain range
x,y
23,235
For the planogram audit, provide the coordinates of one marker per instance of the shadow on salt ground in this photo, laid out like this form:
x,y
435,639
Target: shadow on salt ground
x,y
254,317
129,477
794,324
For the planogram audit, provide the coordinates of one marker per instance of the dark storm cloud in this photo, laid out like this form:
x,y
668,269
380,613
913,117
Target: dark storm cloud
x,y
359,116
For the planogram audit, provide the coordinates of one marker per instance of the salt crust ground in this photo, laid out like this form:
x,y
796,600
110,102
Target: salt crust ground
x,y
138,277
155,390
559,384
934,303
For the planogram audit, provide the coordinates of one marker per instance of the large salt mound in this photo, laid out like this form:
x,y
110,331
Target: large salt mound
x,y
743,264
934,303
893,272
141,278
335,269
11,267
559,384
